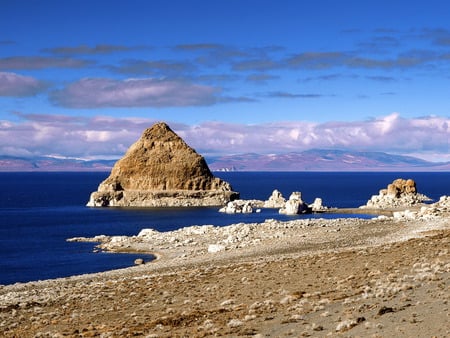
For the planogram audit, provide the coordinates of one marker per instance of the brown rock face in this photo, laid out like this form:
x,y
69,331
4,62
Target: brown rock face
x,y
399,193
161,166
400,187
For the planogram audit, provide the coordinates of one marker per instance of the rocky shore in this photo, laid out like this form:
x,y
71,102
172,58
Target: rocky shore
x,y
384,277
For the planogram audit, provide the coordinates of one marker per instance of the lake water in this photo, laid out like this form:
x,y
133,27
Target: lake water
x,y
39,211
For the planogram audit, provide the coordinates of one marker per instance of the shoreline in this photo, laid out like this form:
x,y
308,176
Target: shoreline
x,y
386,276
160,255
309,224
131,244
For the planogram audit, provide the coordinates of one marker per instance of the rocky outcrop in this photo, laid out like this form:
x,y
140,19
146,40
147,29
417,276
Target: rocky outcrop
x,y
295,205
276,200
160,169
399,193
317,205
400,187
425,212
241,207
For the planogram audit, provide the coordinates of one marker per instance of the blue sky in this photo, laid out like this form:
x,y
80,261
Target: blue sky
x,y
83,79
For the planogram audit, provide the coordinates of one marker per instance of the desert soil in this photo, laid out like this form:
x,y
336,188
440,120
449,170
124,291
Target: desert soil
x,y
349,278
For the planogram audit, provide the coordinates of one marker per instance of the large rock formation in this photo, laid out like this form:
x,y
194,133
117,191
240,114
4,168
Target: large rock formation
x,y
160,169
399,193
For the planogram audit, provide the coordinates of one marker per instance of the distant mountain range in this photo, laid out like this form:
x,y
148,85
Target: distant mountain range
x,y
310,160
324,160
11,163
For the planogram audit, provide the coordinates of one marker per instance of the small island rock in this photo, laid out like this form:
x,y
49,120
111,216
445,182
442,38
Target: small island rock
x,y
237,207
317,205
161,170
276,200
294,205
399,193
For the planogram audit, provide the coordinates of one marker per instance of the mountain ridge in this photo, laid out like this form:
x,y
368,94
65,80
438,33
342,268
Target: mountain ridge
x,y
308,160
49,163
324,160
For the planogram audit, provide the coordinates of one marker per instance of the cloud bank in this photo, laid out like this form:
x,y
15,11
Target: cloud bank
x,y
15,85
207,73
107,137
41,62
148,92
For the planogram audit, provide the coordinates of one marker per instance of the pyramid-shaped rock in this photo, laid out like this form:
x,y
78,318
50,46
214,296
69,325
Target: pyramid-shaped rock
x,y
160,169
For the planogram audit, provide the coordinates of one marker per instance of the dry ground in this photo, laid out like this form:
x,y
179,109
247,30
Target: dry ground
x,y
370,288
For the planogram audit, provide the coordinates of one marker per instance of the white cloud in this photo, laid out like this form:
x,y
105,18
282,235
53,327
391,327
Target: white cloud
x,y
108,137
391,133
148,92
78,137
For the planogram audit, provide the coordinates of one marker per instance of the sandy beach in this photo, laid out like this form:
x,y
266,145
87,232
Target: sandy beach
x,y
383,277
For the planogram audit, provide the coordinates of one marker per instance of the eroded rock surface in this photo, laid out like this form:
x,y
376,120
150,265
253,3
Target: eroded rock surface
x,y
399,193
276,200
295,205
317,205
160,169
241,207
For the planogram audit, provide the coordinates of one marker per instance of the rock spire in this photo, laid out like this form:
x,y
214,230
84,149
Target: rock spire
x,y
160,169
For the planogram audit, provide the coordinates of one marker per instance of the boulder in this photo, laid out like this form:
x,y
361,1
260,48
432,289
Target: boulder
x,y
161,170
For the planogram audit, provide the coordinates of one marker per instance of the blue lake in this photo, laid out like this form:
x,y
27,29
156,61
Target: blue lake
x,y
39,211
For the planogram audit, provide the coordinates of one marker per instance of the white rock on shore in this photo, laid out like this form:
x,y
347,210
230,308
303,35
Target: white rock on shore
x,y
240,207
294,205
275,201
200,240
425,212
399,193
317,205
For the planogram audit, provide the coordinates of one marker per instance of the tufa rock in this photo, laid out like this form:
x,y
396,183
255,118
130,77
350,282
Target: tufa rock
x,y
400,187
161,170
399,193
276,200
295,205
426,212
237,207
317,205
